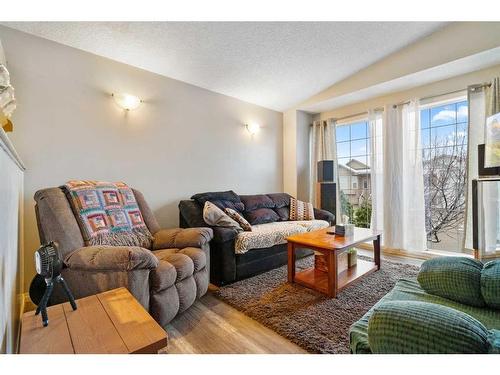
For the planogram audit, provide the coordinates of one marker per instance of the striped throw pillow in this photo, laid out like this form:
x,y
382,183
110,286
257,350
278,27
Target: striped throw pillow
x,y
301,210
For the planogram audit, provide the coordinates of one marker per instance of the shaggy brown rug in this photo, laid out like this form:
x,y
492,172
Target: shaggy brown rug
x,y
306,317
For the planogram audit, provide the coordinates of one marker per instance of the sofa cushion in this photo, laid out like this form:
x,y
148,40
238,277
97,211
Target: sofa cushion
x,y
490,284
283,213
411,327
271,234
280,199
410,290
238,218
301,210
311,225
214,216
222,199
261,216
455,278
252,202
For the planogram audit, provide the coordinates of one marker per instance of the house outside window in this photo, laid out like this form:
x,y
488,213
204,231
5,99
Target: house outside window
x,y
353,156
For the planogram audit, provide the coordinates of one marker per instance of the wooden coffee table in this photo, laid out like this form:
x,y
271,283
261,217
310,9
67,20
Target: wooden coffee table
x,y
331,246
108,322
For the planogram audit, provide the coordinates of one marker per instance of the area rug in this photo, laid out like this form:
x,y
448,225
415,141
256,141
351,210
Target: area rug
x,y
306,317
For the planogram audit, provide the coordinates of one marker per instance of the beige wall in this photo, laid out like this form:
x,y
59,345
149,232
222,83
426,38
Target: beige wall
x,y
290,152
296,153
304,120
181,141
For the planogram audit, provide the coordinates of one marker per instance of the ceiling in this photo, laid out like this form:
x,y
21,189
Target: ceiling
x,y
454,68
273,64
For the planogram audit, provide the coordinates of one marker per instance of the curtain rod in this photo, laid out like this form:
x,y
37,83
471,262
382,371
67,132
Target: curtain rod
x,y
470,87
378,109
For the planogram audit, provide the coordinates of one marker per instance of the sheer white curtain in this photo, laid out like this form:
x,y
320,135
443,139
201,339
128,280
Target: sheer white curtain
x,y
321,146
483,102
477,119
375,128
404,209
491,190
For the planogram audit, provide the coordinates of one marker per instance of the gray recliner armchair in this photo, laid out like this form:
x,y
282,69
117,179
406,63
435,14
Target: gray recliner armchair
x,y
165,279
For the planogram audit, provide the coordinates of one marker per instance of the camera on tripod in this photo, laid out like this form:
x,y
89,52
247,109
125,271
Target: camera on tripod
x,y
48,264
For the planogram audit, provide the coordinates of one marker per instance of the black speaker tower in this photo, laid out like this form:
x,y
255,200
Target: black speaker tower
x,y
326,188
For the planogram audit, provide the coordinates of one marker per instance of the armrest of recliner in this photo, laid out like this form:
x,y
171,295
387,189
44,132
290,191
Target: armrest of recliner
x,y
117,258
320,214
180,238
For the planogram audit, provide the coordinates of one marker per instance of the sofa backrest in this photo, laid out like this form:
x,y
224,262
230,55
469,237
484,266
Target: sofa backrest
x,y
56,220
257,208
266,208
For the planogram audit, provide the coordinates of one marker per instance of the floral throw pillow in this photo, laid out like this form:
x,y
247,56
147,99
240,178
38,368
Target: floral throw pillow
x,y
239,219
301,210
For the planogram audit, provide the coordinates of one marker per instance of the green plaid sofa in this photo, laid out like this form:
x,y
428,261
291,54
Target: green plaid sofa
x,y
410,290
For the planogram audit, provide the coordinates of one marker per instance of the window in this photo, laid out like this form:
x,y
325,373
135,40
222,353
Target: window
x,y
353,155
444,153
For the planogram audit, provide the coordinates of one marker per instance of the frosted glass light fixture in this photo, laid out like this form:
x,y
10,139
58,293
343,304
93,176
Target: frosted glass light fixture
x,y
4,76
126,101
253,128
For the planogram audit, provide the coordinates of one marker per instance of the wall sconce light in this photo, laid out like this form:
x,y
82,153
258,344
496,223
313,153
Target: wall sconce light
x,y
126,101
253,128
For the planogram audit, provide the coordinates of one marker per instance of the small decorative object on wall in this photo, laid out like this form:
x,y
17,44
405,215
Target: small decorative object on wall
x,y
48,264
492,142
7,99
253,128
126,101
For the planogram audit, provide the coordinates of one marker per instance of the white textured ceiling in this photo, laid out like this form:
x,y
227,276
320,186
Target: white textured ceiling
x,y
272,64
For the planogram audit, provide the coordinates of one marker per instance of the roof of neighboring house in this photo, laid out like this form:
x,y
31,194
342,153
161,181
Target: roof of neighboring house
x,y
356,167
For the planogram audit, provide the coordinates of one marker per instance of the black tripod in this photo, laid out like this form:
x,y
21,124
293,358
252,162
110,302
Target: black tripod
x,y
42,307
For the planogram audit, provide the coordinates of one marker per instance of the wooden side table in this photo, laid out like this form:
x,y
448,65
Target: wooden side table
x,y
112,322
331,281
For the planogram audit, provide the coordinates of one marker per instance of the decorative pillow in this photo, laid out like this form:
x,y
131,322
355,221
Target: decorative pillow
x,y
239,219
414,327
301,210
222,199
490,284
261,216
455,278
214,216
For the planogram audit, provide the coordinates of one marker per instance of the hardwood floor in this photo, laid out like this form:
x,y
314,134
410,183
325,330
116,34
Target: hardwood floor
x,y
211,326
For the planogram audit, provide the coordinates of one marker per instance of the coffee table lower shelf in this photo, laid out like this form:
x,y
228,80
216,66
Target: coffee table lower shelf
x,y
316,279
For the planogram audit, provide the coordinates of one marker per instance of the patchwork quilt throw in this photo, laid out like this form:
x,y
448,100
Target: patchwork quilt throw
x,y
107,213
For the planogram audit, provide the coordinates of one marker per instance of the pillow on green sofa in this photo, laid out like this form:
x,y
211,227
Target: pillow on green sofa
x,y
455,278
490,284
405,327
